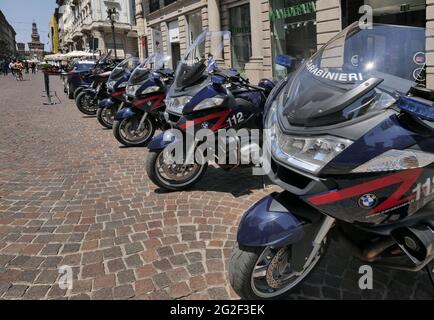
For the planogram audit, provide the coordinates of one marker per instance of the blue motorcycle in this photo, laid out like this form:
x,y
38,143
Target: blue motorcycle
x,y
350,139
206,95
146,91
92,86
116,88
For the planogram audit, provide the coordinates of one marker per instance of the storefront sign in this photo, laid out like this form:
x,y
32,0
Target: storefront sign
x,y
293,11
157,41
173,31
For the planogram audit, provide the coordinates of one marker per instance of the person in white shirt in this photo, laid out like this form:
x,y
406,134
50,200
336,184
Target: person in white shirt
x,y
12,67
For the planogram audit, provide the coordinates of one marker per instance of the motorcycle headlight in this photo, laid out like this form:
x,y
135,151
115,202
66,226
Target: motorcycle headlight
x,y
271,116
209,103
176,104
310,154
151,89
111,84
396,160
123,85
131,90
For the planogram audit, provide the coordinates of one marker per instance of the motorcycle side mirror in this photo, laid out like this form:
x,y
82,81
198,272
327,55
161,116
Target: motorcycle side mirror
x,y
218,80
285,61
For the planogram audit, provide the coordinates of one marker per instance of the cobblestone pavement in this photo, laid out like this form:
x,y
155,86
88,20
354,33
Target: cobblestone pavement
x,y
69,195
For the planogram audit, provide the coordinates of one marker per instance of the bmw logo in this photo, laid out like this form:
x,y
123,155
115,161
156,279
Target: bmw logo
x,y
368,201
205,125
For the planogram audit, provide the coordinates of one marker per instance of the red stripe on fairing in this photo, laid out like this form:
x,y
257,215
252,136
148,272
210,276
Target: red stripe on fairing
x,y
118,93
406,179
157,103
222,115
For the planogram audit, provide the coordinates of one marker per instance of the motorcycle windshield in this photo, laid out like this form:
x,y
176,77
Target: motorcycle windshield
x,y
153,63
126,66
104,58
204,56
355,74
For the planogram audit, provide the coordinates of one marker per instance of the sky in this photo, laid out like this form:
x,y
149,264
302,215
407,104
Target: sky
x,y
21,13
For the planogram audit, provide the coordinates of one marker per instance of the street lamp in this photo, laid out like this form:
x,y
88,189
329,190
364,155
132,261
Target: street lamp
x,y
112,14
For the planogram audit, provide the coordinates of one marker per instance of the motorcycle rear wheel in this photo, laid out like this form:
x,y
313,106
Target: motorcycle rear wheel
x,y
85,104
154,168
258,273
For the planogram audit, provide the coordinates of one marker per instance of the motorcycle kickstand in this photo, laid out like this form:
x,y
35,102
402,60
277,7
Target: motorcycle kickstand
x,y
430,271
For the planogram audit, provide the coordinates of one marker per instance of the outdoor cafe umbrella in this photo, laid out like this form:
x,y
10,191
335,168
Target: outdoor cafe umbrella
x,y
78,54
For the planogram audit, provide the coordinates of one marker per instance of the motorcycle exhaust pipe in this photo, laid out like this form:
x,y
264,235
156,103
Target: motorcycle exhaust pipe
x,y
417,242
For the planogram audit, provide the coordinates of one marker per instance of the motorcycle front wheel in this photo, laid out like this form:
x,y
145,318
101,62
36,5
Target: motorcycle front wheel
x,y
106,116
173,177
265,272
128,133
77,92
86,104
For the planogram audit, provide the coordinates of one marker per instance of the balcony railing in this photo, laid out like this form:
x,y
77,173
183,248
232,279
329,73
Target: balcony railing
x,y
154,5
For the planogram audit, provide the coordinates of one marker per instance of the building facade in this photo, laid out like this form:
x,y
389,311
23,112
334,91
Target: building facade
x,y
8,45
54,31
84,25
261,29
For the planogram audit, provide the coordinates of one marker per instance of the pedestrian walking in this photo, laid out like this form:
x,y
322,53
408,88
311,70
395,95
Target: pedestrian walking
x,y
26,66
33,67
5,68
19,67
12,68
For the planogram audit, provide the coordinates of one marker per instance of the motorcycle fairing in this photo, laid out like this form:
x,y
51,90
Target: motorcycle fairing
x,y
213,121
118,94
149,103
387,135
394,196
209,91
255,97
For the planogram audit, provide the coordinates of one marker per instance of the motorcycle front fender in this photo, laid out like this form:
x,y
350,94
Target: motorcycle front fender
x,y
277,220
162,140
90,91
106,103
125,113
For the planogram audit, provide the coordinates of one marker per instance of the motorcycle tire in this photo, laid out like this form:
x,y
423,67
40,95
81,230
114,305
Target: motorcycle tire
x,y
77,92
170,185
79,101
102,119
117,132
244,260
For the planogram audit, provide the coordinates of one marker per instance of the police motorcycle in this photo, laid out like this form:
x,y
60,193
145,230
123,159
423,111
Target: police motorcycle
x,y
94,88
350,138
116,88
206,94
146,92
